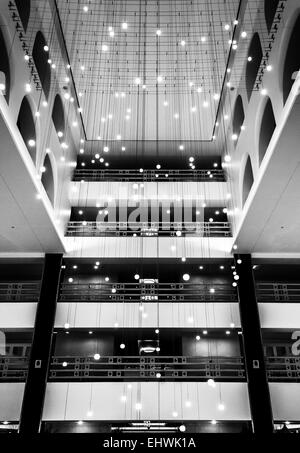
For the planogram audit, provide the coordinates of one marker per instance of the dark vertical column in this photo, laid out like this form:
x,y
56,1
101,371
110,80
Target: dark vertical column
x,y
35,388
258,388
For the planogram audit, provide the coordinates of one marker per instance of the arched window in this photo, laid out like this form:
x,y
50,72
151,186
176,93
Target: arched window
x,y
23,7
292,60
268,125
40,58
248,179
58,115
238,116
26,127
255,55
47,179
4,68
270,11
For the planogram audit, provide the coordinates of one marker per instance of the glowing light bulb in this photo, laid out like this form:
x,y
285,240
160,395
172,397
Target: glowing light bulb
x,y
124,26
186,277
211,383
97,356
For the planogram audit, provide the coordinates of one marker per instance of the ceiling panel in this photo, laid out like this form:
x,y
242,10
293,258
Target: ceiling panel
x,y
158,77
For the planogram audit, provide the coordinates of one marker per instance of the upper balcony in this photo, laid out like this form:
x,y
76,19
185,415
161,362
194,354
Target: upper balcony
x,y
145,175
149,219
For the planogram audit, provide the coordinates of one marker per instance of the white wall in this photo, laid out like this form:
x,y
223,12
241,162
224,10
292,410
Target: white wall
x,y
89,193
285,398
279,315
72,401
163,247
11,395
17,315
166,315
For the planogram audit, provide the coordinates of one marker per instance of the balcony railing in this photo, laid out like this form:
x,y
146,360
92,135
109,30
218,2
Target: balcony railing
x,y
146,368
143,293
110,368
145,229
278,292
148,175
13,368
163,292
19,291
283,368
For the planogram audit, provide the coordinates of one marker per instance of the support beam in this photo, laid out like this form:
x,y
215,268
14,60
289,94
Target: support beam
x,y
35,388
258,387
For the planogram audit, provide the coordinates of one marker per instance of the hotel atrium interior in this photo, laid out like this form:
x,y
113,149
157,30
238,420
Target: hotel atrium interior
x,y
150,216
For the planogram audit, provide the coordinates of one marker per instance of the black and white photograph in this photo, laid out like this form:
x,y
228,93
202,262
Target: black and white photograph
x,y
149,222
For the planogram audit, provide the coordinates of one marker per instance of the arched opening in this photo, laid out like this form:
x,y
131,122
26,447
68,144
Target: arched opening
x,y
292,60
40,58
268,125
248,179
48,179
255,55
238,116
23,7
270,11
26,127
4,69
58,115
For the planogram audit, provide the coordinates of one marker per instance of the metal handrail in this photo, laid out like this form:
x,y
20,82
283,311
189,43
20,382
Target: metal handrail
x,y
146,368
143,293
278,292
68,368
148,175
103,228
284,368
19,291
13,368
